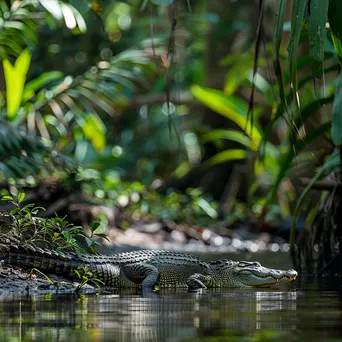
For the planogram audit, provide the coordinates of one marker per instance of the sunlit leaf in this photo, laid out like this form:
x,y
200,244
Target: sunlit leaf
x,y
6,198
53,7
229,134
207,208
81,24
69,17
95,131
41,81
22,63
21,196
226,156
14,24
15,77
229,106
182,169
237,73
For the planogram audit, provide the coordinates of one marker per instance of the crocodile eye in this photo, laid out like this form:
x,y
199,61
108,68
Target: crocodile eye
x,y
257,264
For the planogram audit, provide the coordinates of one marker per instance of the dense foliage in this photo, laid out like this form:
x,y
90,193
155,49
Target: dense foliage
x,y
107,85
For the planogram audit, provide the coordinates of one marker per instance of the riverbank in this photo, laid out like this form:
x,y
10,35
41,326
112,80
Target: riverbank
x,y
15,281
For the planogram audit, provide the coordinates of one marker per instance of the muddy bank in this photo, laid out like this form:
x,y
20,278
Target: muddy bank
x,y
15,281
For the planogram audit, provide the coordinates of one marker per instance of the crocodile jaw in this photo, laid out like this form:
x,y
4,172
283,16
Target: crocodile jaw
x,y
262,276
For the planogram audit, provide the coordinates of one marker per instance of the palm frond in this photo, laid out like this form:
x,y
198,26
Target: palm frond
x,y
19,22
58,107
23,155
103,89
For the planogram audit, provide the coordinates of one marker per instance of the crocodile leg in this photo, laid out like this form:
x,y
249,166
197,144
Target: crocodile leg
x,y
198,281
140,273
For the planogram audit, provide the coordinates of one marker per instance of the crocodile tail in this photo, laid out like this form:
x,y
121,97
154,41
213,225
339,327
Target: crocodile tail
x,y
44,260
63,264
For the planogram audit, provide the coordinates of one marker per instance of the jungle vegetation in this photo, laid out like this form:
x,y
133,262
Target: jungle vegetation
x,y
159,105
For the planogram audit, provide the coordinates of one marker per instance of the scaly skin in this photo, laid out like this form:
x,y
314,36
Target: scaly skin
x,y
148,268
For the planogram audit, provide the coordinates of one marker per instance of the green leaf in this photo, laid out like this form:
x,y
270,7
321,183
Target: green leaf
x,y
143,4
77,273
94,226
21,197
298,9
41,81
238,72
230,134
334,15
70,20
3,7
14,25
229,106
102,235
95,131
293,150
81,24
7,198
331,165
93,98
317,33
89,241
207,208
304,114
280,15
226,156
53,7
162,2
15,77
336,128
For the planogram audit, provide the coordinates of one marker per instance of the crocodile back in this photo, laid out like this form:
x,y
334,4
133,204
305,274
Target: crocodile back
x,y
174,268
155,257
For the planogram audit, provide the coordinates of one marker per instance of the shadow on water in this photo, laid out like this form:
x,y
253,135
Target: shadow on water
x,y
300,311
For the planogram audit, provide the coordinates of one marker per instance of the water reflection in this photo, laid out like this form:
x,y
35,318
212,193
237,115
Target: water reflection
x,y
174,316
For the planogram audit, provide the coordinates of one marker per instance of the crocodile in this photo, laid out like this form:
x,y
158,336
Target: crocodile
x,y
148,268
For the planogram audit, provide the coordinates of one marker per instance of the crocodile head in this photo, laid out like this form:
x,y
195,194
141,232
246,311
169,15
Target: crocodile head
x,y
253,274
246,273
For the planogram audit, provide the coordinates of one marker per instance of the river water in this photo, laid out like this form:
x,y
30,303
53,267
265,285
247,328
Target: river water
x,y
293,312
